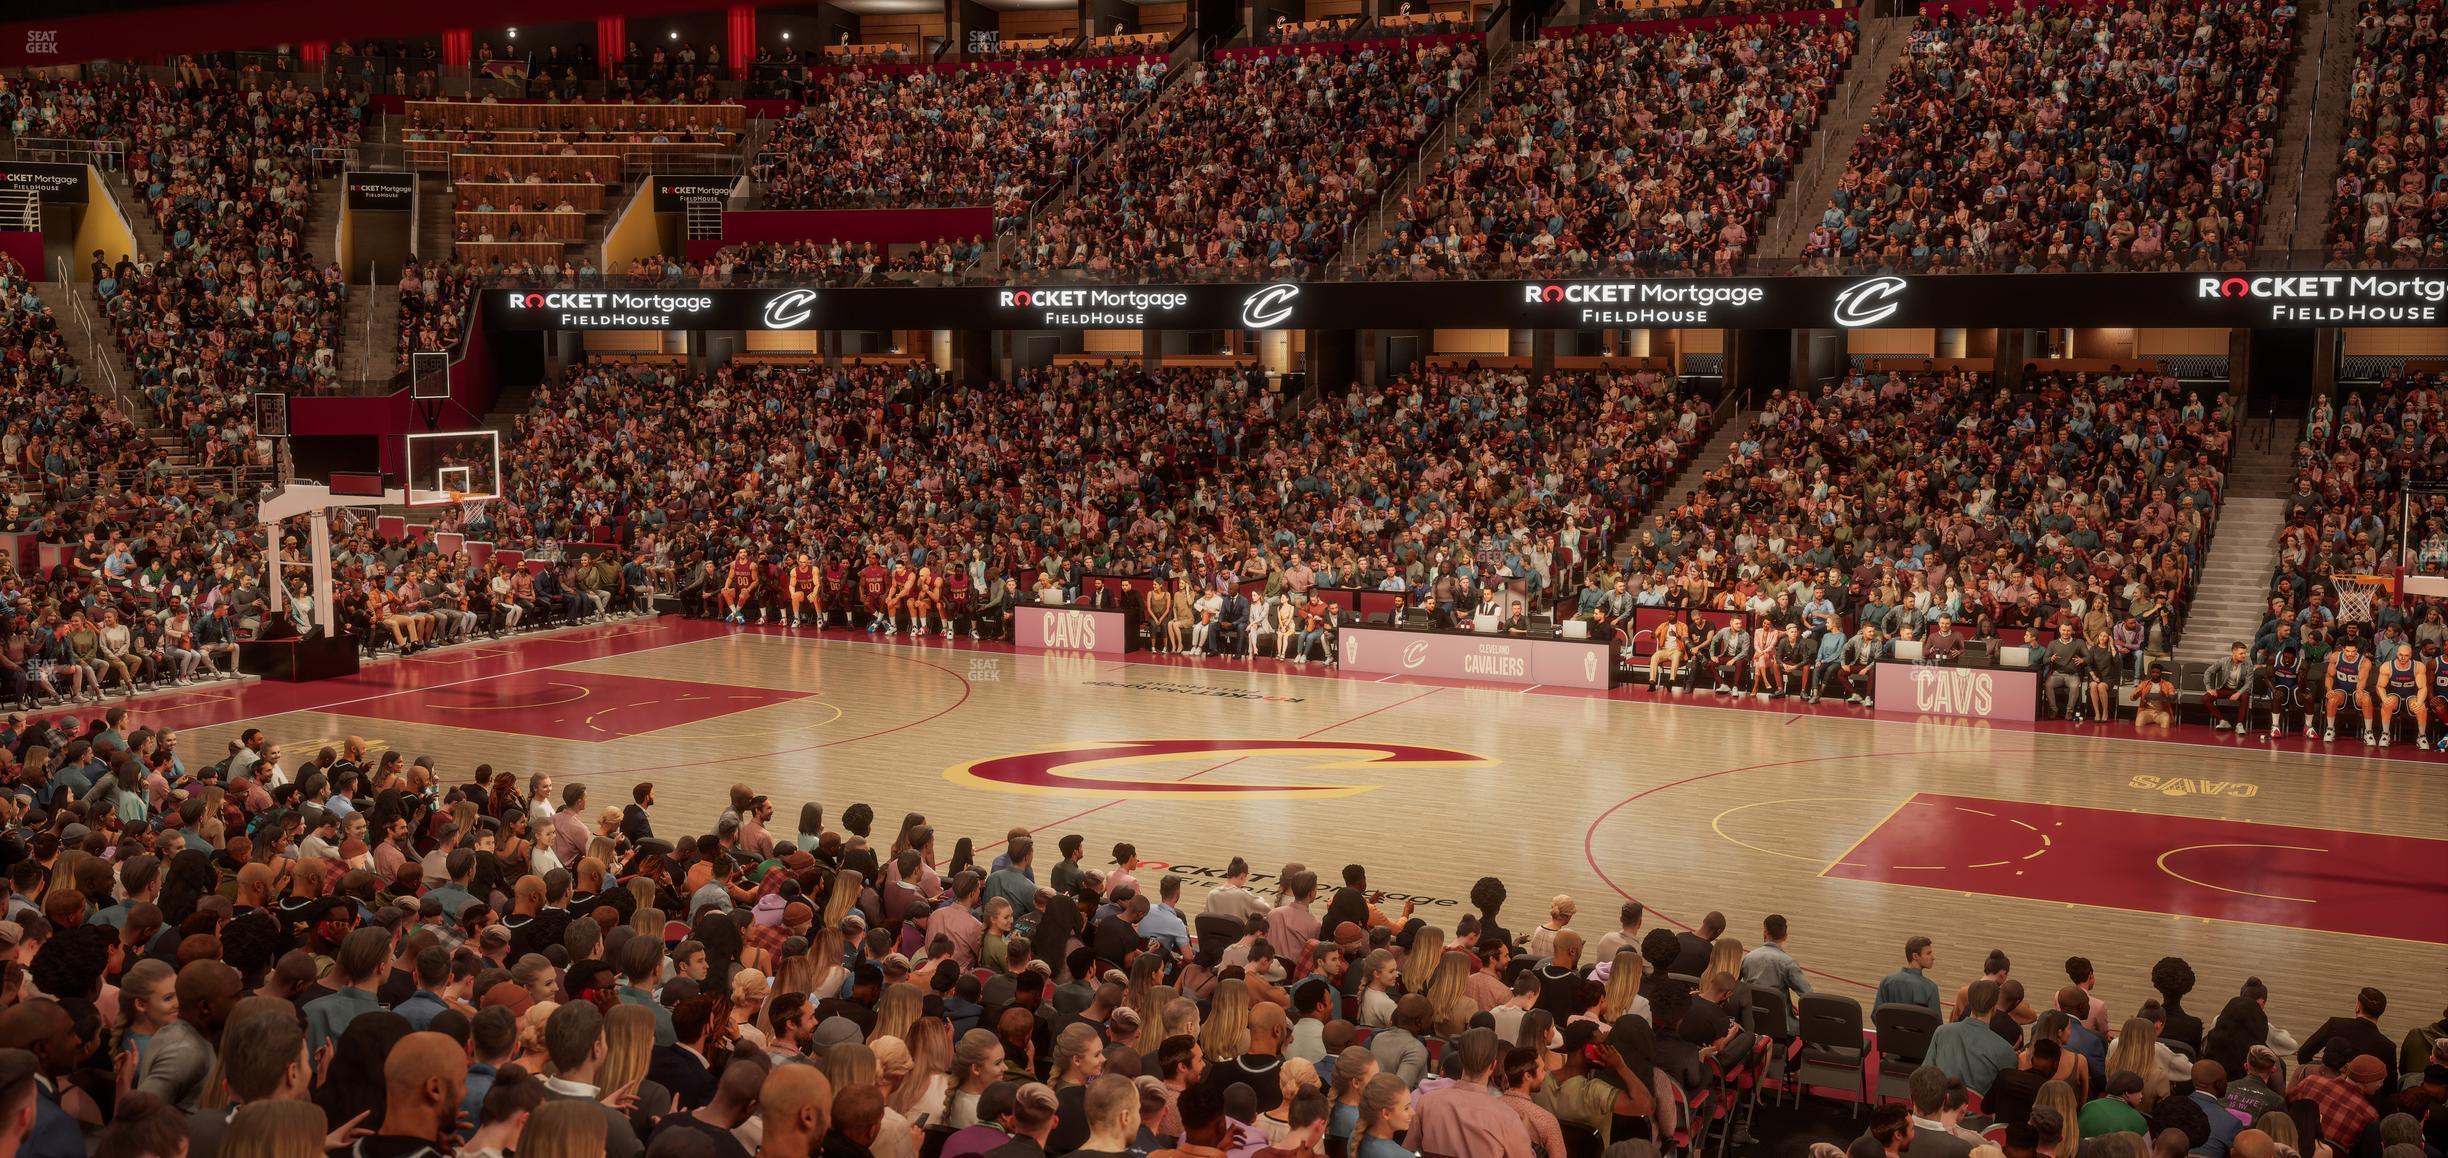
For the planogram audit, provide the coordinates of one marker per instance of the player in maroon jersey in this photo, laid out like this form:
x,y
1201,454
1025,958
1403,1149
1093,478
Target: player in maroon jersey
x,y
956,600
806,597
871,591
926,598
739,585
836,579
899,593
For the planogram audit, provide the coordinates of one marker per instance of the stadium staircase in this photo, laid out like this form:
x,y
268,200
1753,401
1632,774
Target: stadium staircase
x,y
1882,42
2312,125
1371,234
1183,72
107,369
2236,577
1732,422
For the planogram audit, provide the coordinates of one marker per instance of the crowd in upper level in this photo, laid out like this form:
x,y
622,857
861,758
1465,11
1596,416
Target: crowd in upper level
x,y
1622,152
2129,135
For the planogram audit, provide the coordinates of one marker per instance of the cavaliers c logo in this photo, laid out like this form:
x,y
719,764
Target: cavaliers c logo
x,y
1059,771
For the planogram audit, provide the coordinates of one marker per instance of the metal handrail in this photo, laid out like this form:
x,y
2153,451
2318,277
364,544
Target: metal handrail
x,y
101,153
2303,156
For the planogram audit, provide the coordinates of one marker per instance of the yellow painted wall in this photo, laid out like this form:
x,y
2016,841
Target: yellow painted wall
x,y
1113,341
635,233
102,226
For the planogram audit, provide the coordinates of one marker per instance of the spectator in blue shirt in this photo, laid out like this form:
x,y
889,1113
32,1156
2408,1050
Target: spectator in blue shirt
x,y
1164,920
1911,985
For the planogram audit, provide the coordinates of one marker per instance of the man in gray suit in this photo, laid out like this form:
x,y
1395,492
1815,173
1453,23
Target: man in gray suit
x,y
181,1054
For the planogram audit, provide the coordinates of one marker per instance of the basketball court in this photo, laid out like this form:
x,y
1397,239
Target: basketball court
x,y
2316,870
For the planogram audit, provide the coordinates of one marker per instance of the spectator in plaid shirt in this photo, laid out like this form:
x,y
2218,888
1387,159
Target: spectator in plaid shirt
x,y
2342,1087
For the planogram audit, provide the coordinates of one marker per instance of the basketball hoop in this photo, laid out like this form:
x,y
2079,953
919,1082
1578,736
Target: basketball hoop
x,y
2358,594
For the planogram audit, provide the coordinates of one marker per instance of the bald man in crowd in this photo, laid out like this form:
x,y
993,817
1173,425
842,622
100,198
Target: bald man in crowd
x,y
181,1054
797,1105
424,1080
44,1029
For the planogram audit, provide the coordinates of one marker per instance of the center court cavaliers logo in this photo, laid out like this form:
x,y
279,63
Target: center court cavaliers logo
x,y
790,309
1269,307
1064,771
1867,303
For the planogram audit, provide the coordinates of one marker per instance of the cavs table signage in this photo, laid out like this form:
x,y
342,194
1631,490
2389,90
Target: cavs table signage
x,y
2322,298
1498,659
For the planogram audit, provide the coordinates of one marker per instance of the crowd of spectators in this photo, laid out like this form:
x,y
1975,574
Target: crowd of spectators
x,y
2127,135
154,583
909,137
2343,520
1937,507
1258,168
1622,152
59,440
2390,202
236,302
283,952
1442,483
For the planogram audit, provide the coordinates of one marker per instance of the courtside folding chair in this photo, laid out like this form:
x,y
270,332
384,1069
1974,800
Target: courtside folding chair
x,y
1833,1048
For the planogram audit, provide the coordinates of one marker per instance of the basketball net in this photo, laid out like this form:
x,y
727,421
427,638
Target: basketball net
x,y
2358,593
471,507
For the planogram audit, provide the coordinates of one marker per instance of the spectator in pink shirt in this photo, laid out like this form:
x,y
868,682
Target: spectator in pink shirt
x,y
1470,1117
569,825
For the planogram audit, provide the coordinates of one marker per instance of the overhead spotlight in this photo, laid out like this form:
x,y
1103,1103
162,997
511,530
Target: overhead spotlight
x,y
786,35
514,34
675,34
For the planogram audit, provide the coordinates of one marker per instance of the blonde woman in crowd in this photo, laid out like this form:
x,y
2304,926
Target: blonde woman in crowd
x,y
1559,915
1079,1056
749,989
1379,977
628,1047
994,941
2059,1097
1448,992
827,949
1724,957
1225,1033
532,1056
1623,995
926,1088
897,1010
852,1064
1426,954
564,1128
977,1062
275,1128
2136,1051
1295,1075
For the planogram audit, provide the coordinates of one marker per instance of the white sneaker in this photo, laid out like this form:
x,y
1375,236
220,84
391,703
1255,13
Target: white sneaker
x,y
2218,725
2329,735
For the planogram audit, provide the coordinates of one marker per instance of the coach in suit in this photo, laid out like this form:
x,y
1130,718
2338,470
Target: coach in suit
x,y
2362,1031
681,1067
